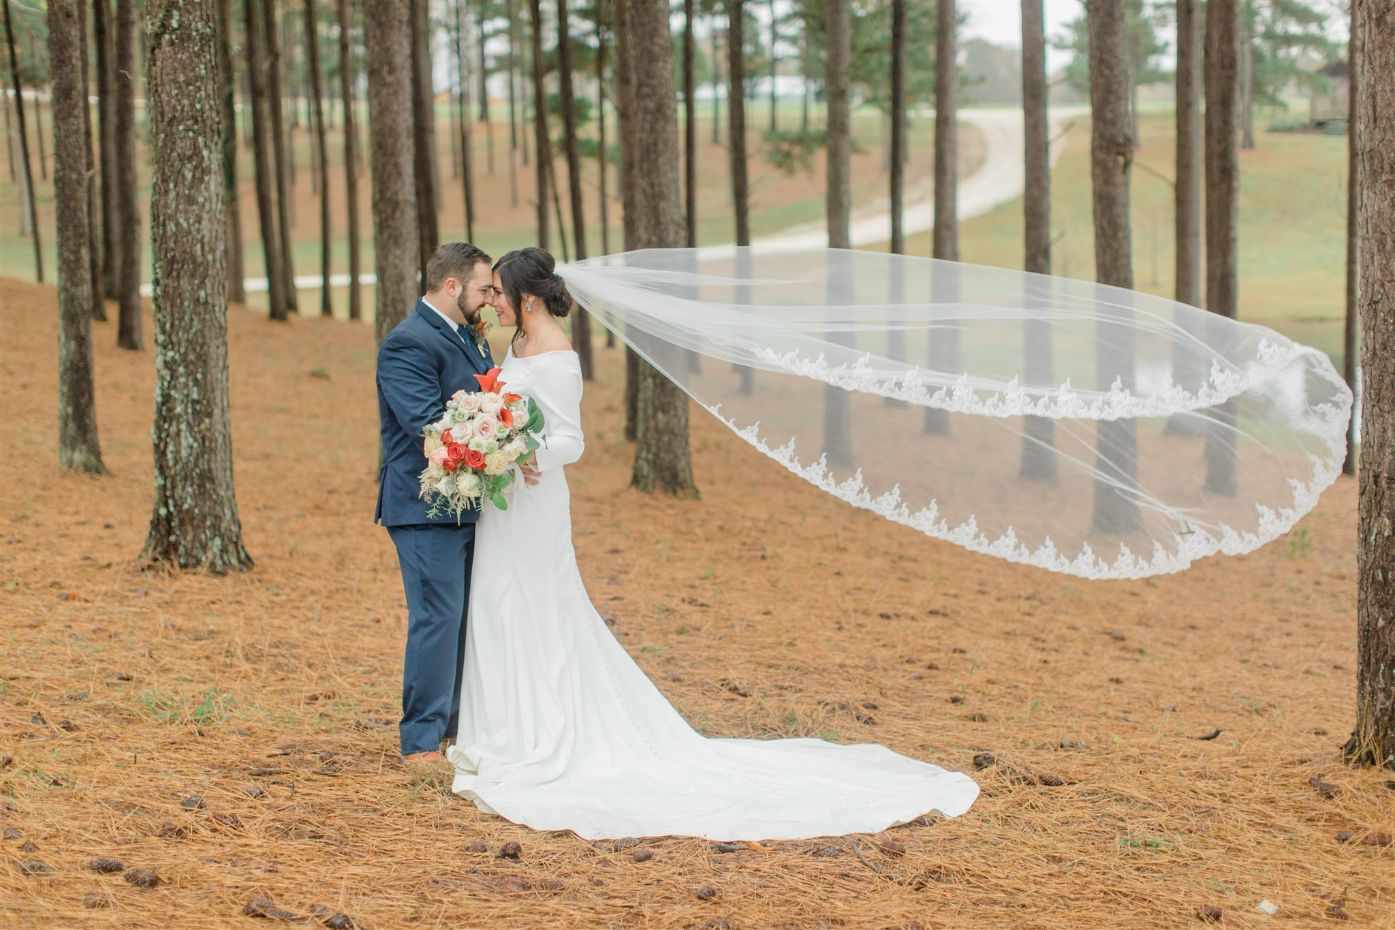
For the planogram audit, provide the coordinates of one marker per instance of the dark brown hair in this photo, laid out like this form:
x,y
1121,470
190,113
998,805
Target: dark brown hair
x,y
530,271
452,260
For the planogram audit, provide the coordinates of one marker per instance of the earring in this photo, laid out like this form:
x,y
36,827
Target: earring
x,y
529,306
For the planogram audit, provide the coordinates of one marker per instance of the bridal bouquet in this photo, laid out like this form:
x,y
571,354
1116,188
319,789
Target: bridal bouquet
x,y
472,450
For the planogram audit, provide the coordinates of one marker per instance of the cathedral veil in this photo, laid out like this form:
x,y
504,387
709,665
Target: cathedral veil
x,y
1077,427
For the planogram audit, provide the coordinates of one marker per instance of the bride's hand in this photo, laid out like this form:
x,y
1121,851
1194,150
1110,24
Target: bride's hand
x,y
529,468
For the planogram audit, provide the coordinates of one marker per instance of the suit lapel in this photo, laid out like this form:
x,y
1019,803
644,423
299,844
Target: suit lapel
x,y
465,345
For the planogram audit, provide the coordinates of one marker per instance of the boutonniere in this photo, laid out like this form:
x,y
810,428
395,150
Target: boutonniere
x,y
482,328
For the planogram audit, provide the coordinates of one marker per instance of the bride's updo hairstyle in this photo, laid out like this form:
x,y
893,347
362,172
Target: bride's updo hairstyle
x,y
530,271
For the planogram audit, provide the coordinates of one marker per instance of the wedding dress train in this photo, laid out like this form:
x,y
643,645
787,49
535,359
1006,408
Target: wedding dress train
x,y
561,730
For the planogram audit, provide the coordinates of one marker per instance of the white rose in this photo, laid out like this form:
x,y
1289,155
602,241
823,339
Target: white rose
x,y
444,486
486,426
470,403
490,403
515,448
496,463
468,483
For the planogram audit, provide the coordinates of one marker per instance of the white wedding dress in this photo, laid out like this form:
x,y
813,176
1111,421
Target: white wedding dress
x,y
561,730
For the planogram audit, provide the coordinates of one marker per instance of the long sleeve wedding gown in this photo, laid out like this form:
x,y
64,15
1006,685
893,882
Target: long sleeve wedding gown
x,y
561,730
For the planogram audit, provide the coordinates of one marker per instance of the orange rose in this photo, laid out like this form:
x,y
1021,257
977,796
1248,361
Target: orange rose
x,y
474,458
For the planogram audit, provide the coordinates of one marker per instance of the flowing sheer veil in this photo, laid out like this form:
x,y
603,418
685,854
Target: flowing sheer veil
x,y
1073,426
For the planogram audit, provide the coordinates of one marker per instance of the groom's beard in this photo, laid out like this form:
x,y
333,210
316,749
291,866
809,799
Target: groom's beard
x,y
472,315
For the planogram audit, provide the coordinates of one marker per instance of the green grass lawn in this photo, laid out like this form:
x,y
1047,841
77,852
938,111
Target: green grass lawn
x,y
1292,233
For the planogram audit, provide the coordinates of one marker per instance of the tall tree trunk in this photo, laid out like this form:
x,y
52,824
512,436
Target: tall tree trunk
x,y
10,141
194,522
253,13
462,63
1037,141
484,93
543,144
281,150
716,83
581,323
896,340
94,219
1373,739
1349,329
396,234
663,460
39,122
944,346
227,84
30,209
284,169
805,75
737,159
128,333
1222,202
1187,189
1111,157
513,108
1039,433
312,51
774,68
106,121
424,137
457,94
897,175
689,125
1187,192
736,119
517,54
628,125
838,43
946,236
603,165
346,91
1247,83
78,446
246,81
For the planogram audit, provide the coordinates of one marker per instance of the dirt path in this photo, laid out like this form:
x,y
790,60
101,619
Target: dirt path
x,y
998,180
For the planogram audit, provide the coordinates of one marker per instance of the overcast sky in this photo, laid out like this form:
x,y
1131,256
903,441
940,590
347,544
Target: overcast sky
x,y
1000,22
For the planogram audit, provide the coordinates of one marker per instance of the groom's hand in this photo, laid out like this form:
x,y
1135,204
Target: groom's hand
x,y
530,471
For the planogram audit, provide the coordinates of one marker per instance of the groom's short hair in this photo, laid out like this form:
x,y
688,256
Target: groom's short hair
x,y
453,260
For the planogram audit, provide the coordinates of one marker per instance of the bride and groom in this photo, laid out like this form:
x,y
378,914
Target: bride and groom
x,y
550,723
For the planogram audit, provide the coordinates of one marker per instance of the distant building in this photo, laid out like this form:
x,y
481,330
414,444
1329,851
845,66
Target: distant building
x,y
1327,104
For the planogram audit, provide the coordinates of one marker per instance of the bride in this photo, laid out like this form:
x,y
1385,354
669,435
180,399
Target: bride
x,y
560,729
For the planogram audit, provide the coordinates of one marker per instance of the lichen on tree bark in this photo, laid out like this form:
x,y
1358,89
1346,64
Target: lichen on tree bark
x,y
194,523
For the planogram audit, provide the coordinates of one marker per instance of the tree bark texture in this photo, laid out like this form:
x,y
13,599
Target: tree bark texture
x,y
194,524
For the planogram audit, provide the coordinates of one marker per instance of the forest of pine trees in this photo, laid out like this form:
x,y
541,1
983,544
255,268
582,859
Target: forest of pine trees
x,y
216,89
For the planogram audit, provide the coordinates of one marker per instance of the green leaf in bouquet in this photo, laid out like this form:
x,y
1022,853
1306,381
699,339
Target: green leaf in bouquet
x,y
535,417
503,481
499,501
532,444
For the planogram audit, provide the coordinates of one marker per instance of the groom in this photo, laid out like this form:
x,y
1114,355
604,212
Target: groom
x,y
430,355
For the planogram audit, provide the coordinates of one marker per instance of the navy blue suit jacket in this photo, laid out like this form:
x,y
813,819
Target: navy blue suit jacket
x,y
421,364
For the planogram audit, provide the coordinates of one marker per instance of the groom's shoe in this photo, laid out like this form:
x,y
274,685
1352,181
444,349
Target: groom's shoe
x,y
420,759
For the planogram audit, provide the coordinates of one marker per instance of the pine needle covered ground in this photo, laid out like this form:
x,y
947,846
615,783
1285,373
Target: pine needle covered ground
x,y
235,737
